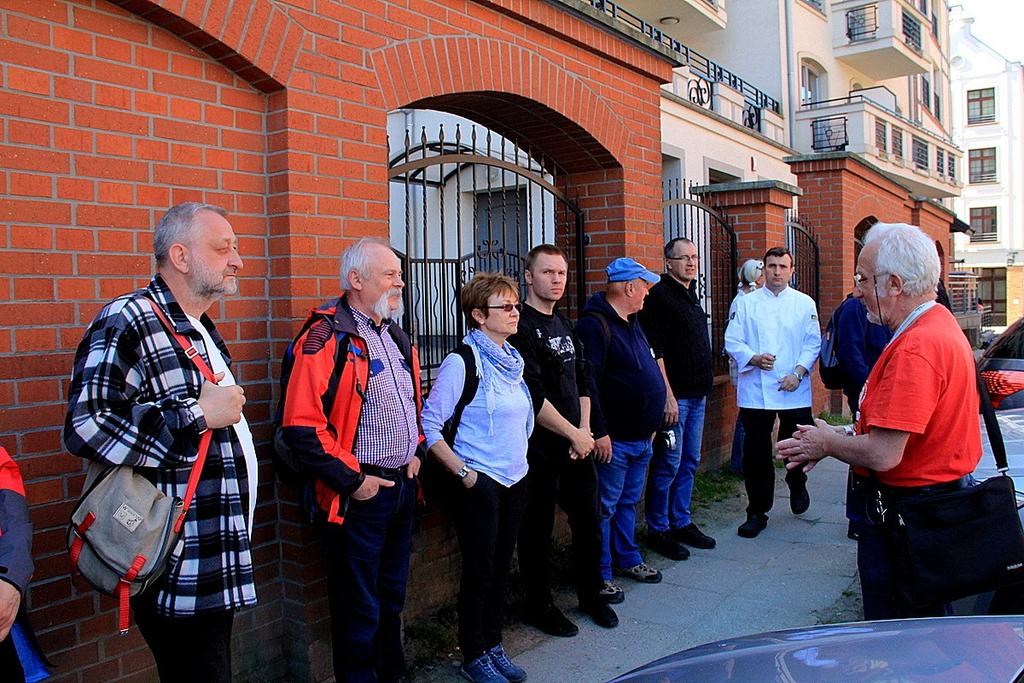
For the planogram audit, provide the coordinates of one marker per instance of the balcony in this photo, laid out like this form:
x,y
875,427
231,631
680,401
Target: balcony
x,y
881,39
684,18
866,123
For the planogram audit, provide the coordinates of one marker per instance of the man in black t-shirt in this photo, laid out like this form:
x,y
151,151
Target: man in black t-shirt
x,y
561,469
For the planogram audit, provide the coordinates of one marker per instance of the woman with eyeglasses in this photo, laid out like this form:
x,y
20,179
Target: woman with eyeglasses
x,y
486,449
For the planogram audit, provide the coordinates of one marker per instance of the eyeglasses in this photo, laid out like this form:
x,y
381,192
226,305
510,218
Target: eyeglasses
x,y
508,308
859,278
688,259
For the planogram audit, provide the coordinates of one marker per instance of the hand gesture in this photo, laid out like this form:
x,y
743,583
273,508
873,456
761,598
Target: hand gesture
x,y
222,406
603,449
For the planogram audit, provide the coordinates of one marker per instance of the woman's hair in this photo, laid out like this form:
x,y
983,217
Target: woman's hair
x,y
749,272
477,291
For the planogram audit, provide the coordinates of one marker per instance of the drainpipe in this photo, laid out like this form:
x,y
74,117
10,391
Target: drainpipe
x,y
788,9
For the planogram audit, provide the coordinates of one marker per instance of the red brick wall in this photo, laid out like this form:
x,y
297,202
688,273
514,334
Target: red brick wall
x,y
276,110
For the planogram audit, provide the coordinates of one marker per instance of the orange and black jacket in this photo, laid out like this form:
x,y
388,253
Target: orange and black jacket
x,y
15,527
324,401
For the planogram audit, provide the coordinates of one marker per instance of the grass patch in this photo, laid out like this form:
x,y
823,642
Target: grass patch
x,y
431,639
714,486
834,419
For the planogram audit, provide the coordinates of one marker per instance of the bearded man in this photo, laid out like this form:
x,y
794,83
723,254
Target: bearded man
x,y
356,372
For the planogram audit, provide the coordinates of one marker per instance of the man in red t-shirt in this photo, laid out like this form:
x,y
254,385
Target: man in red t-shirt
x,y
918,429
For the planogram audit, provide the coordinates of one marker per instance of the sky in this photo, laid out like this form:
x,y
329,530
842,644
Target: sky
x,y
998,23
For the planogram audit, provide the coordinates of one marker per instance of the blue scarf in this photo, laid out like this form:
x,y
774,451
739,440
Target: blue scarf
x,y
498,364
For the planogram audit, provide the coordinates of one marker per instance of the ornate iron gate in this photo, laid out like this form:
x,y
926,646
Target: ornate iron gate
x,y
711,232
463,203
802,243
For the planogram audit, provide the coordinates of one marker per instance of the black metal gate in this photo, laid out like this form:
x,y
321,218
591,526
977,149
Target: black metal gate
x,y
711,232
801,242
467,201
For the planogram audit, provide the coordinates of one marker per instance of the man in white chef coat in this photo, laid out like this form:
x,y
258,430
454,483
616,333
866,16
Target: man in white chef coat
x,y
774,338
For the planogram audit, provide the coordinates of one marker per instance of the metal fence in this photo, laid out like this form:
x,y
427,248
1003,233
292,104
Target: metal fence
x,y
467,201
803,245
685,215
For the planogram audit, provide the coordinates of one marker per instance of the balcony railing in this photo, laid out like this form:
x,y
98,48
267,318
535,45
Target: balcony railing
x,y
853,98
981,118
919,149
699,64
829,134
982,237
862,23
912,32
983,177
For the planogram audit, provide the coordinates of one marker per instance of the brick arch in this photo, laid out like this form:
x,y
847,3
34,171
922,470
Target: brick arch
x,y
252,38
512,90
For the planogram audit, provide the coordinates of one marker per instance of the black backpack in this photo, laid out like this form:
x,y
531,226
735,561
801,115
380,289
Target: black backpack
x,y
289,466
829,367
469,388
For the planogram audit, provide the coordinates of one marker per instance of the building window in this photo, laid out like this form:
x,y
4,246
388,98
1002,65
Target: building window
x,y
983,222
981,105
919,148
897,142
981,165
940,161
912,32
816,4
926,91
992,293
812,84
951,167
881,136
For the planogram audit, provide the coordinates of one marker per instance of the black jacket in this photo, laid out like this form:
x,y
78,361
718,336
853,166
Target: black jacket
x,y
630,399
677,328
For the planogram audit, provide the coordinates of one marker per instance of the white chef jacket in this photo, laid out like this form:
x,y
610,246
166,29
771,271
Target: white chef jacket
x,y
786,325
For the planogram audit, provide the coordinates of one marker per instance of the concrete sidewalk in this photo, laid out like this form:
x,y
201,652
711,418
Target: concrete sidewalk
x,y
791,575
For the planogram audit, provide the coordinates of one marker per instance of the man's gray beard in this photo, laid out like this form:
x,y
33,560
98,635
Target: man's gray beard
x,y
383,308
204,285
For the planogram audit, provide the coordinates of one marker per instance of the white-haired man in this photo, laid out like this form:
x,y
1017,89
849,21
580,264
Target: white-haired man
x,y
918,431
356,371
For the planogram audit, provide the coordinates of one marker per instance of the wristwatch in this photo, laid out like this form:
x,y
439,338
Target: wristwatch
x,y
463,472
849,430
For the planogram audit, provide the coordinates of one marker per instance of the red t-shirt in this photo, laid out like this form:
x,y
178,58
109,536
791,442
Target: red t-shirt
x,y
925,383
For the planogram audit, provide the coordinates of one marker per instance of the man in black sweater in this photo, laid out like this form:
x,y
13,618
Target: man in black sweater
x,y
677,328
561,469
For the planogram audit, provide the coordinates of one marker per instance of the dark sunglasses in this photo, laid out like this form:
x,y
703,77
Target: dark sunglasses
x,y
508,308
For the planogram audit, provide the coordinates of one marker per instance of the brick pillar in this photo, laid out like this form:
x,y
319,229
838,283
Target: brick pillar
x,y
757,211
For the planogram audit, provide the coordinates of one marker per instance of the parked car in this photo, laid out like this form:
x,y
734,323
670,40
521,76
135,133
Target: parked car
x,y
954,649
1002,368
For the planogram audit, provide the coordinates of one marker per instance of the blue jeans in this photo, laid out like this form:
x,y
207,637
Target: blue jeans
x,y
671,482
367,569
621,484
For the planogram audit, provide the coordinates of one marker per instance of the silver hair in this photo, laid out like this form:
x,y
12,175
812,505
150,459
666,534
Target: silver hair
x,y
357,258
750,271
176,225
905,250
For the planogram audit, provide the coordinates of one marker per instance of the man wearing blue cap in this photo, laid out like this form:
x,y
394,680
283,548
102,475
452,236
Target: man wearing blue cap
x,y
626,410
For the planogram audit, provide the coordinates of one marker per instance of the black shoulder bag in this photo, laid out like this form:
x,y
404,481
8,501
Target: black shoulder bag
x,y
959,543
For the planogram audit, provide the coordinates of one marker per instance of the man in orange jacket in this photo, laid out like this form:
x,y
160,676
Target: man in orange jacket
x,y
356,372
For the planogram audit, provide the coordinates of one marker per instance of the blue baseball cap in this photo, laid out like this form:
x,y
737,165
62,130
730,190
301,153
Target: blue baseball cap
x,y
626,269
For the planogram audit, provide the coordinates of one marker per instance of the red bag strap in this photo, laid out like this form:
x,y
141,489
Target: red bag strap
x,y
204,440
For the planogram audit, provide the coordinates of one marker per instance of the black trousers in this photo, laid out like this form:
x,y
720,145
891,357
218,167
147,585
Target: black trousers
x,y
10,665
192,649
758,464
556,479
487,523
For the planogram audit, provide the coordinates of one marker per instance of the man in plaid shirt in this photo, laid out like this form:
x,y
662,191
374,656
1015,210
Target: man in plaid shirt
x,y
136,399
350,416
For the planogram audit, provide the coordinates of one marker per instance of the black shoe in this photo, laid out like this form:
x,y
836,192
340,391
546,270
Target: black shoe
x,y
663,544
799,499
598,610
755,524
691,535
551,620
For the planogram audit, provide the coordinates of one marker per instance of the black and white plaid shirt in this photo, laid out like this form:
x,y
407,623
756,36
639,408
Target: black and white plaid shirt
x,y
388,430
133,401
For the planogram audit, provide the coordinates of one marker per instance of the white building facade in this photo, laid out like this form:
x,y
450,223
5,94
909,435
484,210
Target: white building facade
x,y
988,115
